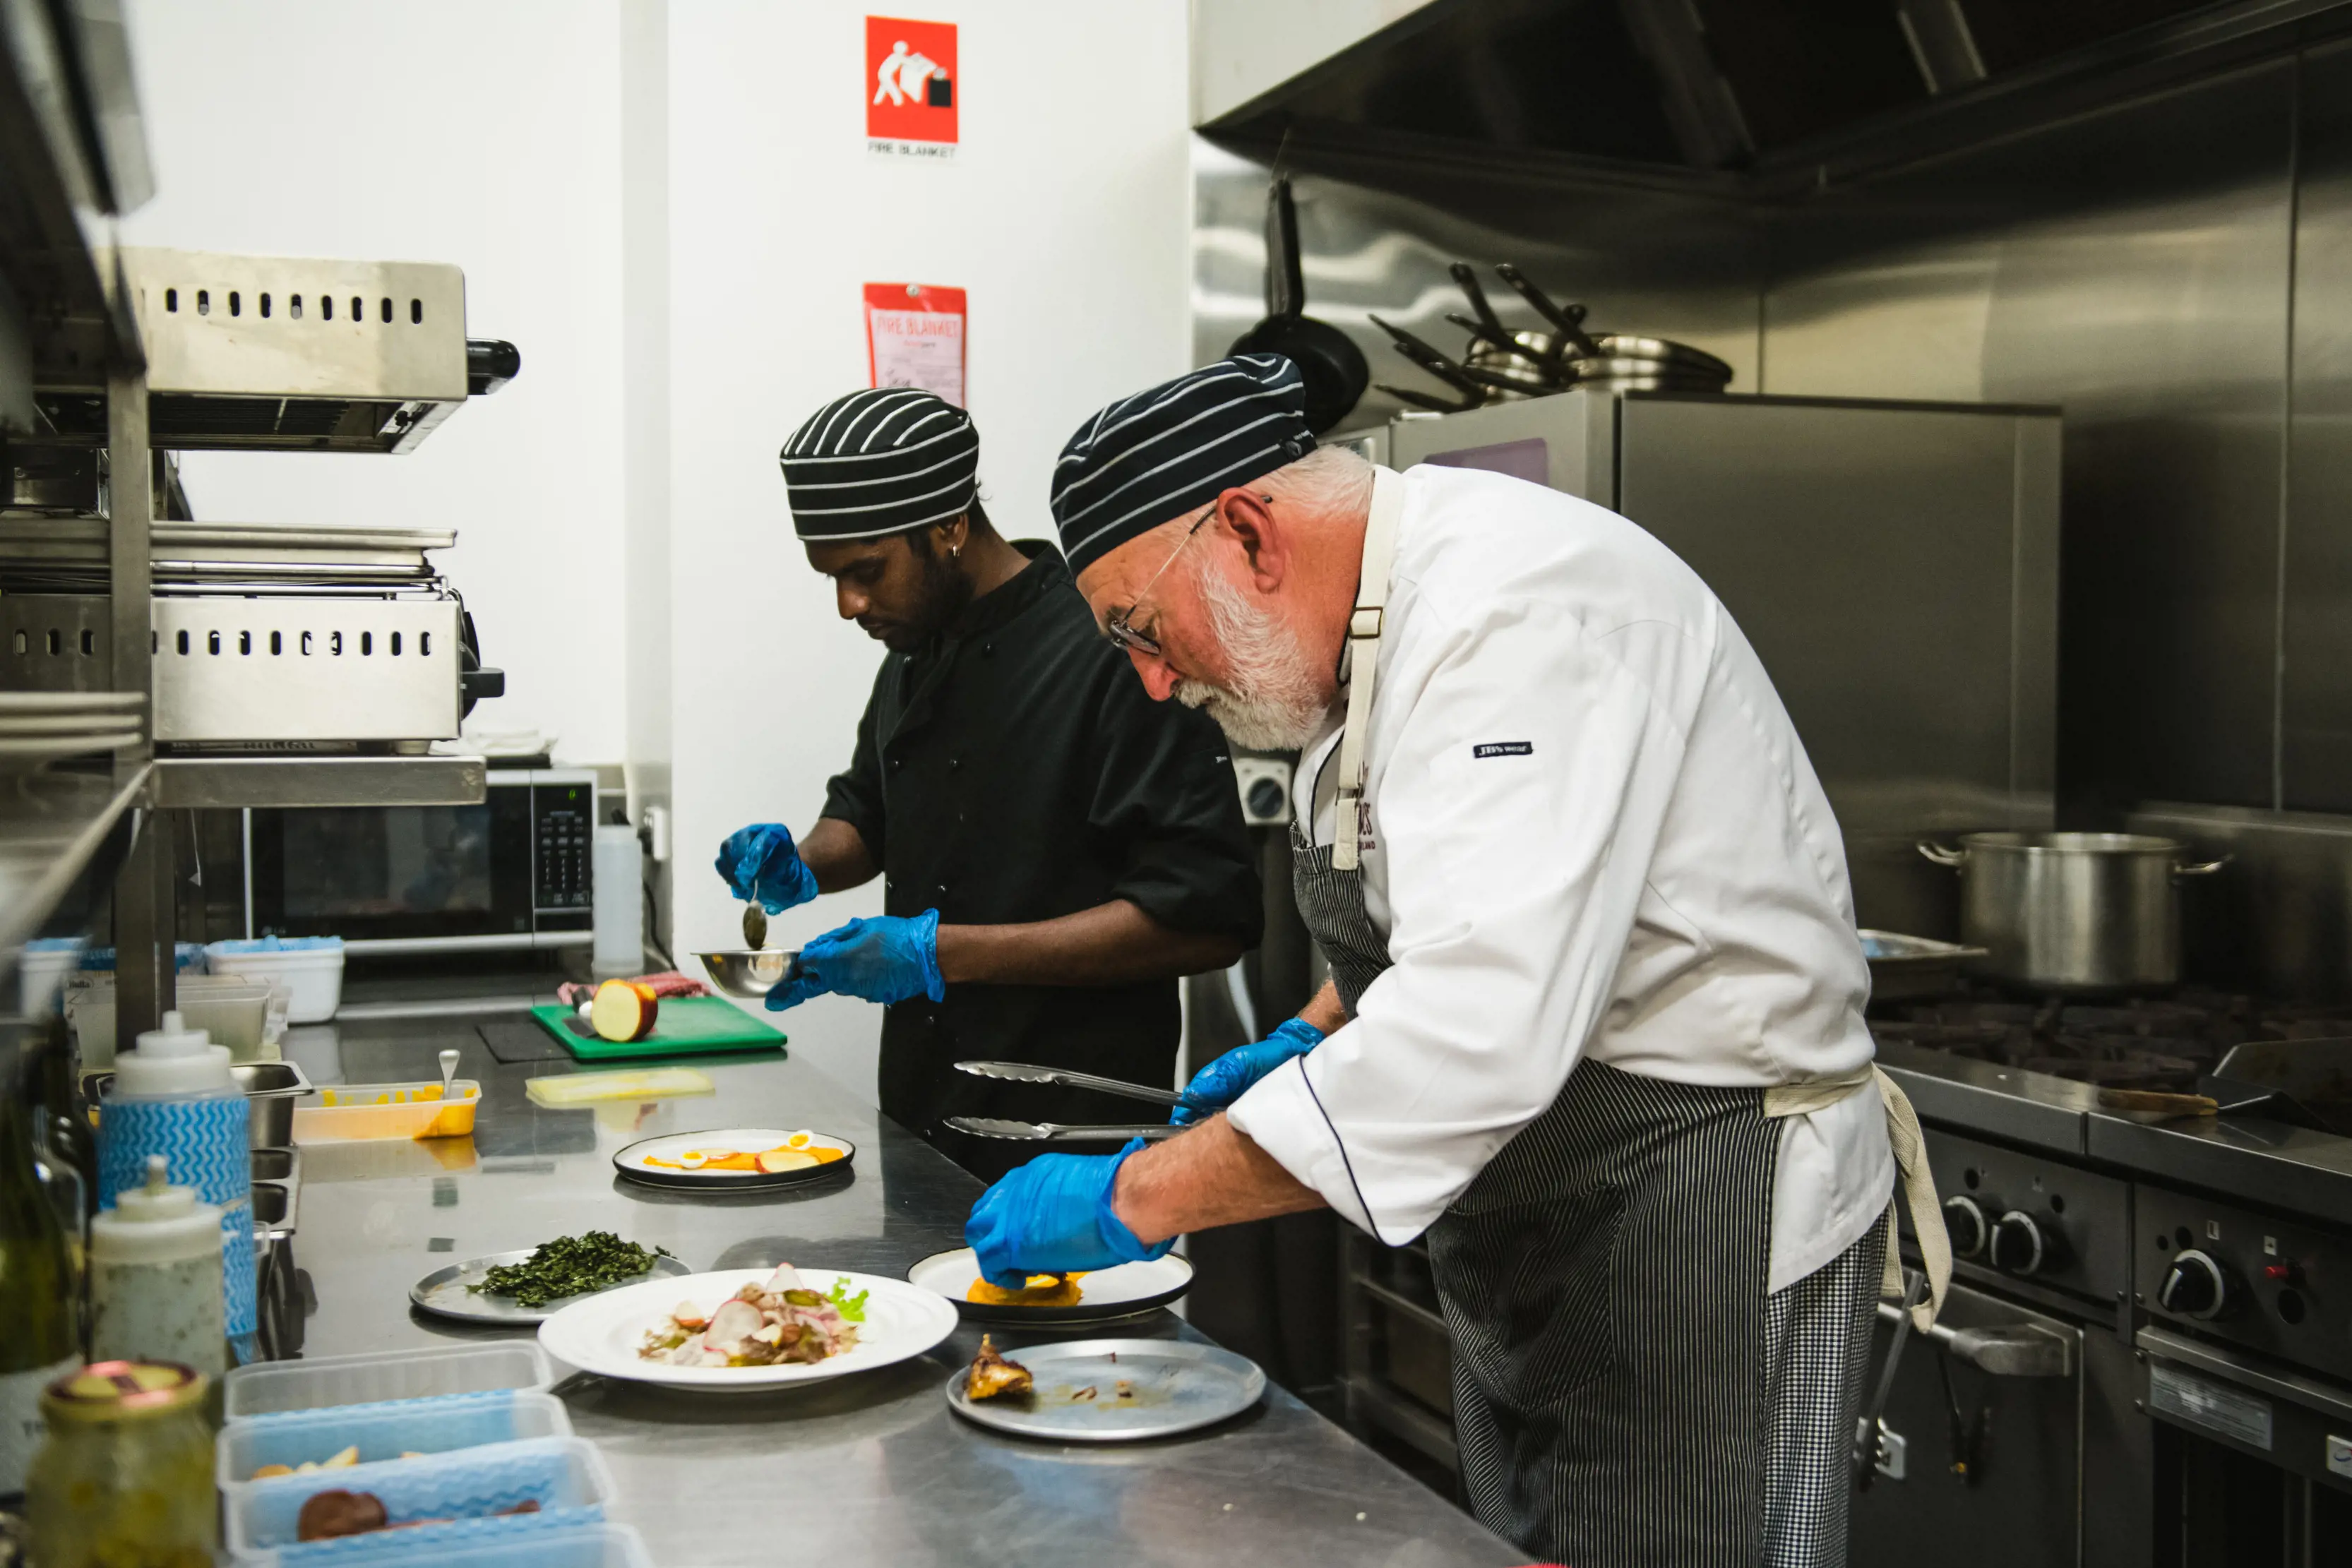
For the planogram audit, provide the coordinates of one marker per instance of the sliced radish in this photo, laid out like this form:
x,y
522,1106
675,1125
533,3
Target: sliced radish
x,y
687,1316
735,1318
785,1277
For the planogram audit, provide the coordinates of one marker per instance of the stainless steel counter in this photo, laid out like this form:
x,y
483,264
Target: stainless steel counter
x,y
872,1465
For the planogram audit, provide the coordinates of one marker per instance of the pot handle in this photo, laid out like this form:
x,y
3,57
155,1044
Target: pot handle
x,y
1941,854
2203,868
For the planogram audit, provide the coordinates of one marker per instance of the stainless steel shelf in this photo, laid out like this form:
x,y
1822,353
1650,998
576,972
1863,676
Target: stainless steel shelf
x,y
294,781
50,826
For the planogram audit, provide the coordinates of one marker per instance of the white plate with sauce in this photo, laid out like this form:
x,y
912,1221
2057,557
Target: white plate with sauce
x,y
1103,1294
683,1159
603,1334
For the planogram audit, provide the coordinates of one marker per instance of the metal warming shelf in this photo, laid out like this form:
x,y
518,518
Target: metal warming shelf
x,y
278,353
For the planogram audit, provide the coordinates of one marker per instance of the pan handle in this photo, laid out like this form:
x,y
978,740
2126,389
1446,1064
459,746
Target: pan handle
x,y
2202,868
1569,322
1286,282
1942,854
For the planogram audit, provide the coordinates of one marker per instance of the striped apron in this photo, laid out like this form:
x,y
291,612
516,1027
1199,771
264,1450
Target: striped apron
x,y
1626,1394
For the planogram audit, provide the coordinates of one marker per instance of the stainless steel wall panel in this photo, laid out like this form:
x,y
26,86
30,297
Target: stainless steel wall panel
x,y
2131,267
1376,238
2315,639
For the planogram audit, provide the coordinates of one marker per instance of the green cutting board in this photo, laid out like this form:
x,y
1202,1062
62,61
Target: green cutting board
x,y
685,1026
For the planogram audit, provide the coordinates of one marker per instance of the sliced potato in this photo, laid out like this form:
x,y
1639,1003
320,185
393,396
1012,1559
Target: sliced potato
x,y
620,1011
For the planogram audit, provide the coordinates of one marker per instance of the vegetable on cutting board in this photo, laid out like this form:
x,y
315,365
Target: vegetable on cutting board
x,y
623,1010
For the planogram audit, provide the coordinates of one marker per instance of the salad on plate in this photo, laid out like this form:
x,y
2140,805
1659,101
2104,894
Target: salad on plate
x,y
778,1321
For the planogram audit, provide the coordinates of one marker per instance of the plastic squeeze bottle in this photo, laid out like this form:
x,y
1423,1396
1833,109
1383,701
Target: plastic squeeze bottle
x,y
172,1095
155,1276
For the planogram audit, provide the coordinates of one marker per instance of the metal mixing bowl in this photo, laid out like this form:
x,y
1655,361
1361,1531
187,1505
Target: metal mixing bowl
x,y
750,974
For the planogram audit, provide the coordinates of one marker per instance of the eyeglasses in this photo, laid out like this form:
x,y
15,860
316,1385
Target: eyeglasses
x,y
1120,628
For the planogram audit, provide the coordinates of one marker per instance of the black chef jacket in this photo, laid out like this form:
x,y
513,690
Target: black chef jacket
x,y
1017,770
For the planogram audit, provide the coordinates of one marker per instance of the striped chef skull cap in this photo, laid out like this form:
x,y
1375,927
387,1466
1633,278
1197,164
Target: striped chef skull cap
x,y
881,460
1148,459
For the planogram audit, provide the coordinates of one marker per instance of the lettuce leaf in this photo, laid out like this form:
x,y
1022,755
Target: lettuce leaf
x,y
851,1308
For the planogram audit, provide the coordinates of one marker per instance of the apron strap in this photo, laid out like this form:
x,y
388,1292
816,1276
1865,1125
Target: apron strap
x,y
1364,630
1910,1159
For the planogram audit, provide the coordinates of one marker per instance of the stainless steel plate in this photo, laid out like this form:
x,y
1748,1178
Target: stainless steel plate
x,y
442,1293
1140,1388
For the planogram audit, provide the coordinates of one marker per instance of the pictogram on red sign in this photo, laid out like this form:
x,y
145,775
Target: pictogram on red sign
x,y
914,338
912,86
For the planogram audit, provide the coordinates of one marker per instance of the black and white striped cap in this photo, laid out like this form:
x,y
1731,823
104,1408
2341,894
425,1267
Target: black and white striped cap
x,y
880,461
1147,459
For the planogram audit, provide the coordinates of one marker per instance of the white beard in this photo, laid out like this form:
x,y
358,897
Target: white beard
x,y
1276,701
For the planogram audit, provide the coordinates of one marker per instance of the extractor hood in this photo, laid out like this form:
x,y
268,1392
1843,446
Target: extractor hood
x,y
1752,89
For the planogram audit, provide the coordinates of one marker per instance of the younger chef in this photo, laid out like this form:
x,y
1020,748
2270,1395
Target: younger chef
x,y
1055,848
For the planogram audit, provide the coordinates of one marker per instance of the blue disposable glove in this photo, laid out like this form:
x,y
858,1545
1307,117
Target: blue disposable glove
x,y
886,959
1222,1081
1052,1216
760,861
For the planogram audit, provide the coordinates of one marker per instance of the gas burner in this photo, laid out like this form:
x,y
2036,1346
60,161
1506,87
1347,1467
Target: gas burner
x,y
2163,1043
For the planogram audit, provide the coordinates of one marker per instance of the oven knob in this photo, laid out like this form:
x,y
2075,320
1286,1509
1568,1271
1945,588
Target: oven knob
x,y
2197,1286
1966,1224
2025,1246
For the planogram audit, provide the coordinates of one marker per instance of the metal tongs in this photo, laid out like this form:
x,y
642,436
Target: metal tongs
x,y
1057,1132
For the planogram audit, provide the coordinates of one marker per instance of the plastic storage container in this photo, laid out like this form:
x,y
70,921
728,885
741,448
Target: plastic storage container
x,y
437,1425
309,968
555,1546
41,970
247,1015
470,1488
352,1113
269,1386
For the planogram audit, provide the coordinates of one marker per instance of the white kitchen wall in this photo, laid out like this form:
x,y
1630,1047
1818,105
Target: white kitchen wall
x,y
1065,214
624,538
482,132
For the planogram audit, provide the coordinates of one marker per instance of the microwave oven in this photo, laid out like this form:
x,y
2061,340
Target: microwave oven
x,y
514,872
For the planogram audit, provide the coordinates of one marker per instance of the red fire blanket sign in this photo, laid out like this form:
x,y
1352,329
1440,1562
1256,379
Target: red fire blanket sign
x,y
914,338
911,88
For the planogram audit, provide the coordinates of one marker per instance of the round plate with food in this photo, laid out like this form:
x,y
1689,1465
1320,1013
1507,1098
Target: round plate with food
x,y
1098,1297
471,1292
730,1159
1106,1390
743,1330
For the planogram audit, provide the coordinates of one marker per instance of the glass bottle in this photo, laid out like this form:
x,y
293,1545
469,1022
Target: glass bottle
x,y
125,1479
39,1283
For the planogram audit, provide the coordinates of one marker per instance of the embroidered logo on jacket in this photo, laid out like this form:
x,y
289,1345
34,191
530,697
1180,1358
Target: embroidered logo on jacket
x,y
1504,749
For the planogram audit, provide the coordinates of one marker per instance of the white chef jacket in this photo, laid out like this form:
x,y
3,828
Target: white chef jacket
x,y
1592,831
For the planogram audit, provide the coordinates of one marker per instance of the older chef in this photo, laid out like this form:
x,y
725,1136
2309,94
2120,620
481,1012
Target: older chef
x,y
1595,1019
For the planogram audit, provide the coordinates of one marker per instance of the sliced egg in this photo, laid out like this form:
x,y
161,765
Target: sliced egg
x,y
797,1141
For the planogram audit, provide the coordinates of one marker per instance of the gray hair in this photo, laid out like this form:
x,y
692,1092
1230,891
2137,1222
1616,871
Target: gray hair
x,y
1329,479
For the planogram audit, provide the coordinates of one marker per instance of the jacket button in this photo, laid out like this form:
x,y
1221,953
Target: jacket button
x,y
954,763
987,648
896,763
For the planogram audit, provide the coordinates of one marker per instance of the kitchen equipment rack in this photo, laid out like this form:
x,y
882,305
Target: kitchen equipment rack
x,y
137,354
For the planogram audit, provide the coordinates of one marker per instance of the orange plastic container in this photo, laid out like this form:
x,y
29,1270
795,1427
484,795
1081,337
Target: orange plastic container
x,y
354,1112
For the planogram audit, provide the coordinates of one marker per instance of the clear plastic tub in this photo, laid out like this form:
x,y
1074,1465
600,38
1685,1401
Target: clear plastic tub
x,y
268,1386
387,1431
247,1015
553,1546
309,968
352,1113
466,1493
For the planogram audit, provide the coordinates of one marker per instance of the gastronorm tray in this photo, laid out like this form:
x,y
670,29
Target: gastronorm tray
x,y
465,1489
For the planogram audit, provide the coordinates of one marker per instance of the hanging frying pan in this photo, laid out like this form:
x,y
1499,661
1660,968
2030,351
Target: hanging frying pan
x,y
1327,360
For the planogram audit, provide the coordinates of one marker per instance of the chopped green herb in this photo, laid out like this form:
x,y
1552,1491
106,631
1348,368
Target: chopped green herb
x,y
569,1265
851,1308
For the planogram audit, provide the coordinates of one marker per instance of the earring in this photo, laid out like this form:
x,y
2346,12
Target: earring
x,y
955,550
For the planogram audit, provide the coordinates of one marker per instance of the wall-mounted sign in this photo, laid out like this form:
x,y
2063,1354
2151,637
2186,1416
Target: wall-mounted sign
x,y
910,87
914,338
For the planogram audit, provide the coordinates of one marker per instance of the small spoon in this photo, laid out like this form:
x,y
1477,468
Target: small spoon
x,y
448,1069
755,925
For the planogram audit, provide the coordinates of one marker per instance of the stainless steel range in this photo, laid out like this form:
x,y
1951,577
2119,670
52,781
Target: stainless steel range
x,y
2190,1278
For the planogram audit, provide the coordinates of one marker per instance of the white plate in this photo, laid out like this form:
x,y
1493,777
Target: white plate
x,y
631,1162
601,1335
1106,1293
